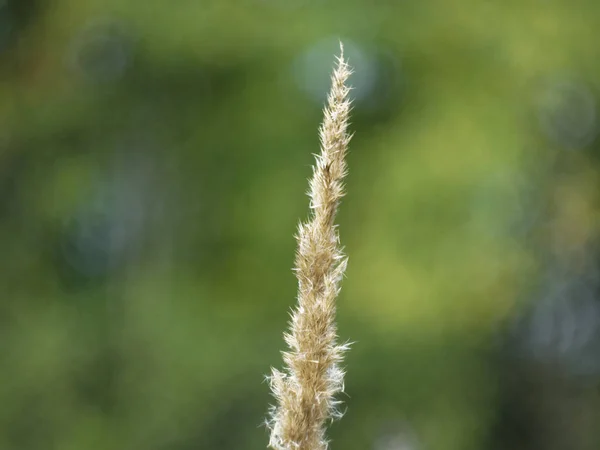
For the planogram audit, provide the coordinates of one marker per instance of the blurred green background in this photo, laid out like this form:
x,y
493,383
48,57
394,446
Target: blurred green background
x,y
153,161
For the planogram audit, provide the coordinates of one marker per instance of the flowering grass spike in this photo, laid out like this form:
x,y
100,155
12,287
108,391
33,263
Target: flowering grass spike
x,y
305,390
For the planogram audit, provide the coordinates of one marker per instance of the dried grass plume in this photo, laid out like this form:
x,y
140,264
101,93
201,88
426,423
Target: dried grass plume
x,y
305,390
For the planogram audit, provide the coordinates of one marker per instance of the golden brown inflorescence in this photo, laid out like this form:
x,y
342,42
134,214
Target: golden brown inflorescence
x,y
305,390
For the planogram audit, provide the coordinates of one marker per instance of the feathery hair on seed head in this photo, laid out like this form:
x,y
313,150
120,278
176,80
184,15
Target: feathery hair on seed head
x,y
305,390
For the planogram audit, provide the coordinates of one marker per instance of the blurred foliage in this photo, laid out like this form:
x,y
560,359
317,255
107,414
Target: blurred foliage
x,y
153,157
